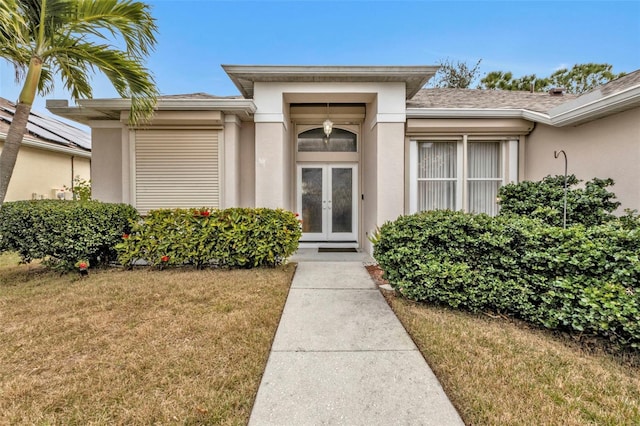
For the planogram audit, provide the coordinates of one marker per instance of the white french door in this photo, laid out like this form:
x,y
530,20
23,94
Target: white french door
x,y
328,202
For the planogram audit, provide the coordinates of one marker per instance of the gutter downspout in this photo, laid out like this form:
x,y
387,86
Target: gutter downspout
x,y
72,174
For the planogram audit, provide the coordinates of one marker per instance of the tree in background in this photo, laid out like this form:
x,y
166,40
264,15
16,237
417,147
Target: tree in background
x,y
72,39
456,75
505,81
581,78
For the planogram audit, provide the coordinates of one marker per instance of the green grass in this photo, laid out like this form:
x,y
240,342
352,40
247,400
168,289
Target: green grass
x,y
135,347
501,372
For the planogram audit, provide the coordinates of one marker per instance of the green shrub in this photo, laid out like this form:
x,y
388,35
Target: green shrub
x,y
585,279
64,232
232,238
591,205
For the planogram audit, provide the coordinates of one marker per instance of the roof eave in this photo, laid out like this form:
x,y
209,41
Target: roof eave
x,y
478,113
244,76
572,114
92,109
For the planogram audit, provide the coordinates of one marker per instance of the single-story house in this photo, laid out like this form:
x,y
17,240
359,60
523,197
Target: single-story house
x,y
51,156
350,147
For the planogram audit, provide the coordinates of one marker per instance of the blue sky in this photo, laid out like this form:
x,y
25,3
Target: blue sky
x,y
524,37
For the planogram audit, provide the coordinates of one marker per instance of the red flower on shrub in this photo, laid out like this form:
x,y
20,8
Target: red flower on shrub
x,y
82,266
125,236
297,214
205,213
164,258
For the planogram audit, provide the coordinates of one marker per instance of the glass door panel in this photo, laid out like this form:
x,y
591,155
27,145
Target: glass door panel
x,y
327,202
341,199
312,204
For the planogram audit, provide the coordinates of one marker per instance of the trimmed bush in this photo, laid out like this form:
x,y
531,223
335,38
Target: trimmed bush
x,y
585,279
64,232
231,238
591,205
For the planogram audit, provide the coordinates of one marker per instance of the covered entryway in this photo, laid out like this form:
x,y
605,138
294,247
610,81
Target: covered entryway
x,y
327,185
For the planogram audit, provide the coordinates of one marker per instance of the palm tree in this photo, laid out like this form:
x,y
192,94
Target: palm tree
x,y
72,39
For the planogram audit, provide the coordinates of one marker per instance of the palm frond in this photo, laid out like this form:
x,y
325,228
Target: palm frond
x,y
130,20
76,38
127,75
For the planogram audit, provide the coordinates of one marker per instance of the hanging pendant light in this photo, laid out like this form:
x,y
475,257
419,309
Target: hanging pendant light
x,y
328,124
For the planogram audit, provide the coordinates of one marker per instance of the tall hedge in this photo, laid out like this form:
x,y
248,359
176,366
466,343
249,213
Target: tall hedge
x,y
585,279
64,232
232,238
591,205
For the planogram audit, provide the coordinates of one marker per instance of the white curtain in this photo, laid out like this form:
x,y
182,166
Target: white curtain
x,y
484,176
437,175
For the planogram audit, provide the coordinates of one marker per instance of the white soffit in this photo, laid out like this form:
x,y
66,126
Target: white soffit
x,y
109,109
244,76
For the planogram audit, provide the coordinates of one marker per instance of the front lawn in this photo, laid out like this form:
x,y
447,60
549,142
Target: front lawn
x,y
135,347
500,372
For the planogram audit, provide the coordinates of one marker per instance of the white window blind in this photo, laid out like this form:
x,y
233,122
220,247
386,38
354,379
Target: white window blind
x,y
484,176
438,181
437,175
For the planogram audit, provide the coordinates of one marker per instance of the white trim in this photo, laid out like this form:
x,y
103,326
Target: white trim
x,y
461,194
264,117
512,162
508,170
577,110
413,176
232,119
48,146
478,113
327,236
391,117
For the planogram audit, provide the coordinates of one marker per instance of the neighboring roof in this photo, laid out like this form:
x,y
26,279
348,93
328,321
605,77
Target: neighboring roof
x,y
244,76
45,129
486,99
199,95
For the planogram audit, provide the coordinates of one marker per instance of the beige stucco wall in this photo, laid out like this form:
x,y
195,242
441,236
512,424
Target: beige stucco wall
x,y
369,175
605,148
231,162
270,152
106,171
41,171
247,168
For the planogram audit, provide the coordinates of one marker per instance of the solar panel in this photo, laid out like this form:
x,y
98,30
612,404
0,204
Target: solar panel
x,y
51,129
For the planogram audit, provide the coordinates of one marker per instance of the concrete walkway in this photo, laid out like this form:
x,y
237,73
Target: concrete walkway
x,y
341,357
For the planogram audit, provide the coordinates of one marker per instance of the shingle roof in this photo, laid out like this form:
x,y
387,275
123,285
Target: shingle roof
x,y
620,84
486,99
199,95
45,128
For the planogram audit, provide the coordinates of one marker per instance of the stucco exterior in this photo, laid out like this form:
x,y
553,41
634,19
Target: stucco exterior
x,y
107,173
605,148
41,173
259,163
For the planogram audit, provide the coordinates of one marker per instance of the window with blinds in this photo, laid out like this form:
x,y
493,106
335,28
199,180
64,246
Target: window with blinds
x,y
458,174
176,169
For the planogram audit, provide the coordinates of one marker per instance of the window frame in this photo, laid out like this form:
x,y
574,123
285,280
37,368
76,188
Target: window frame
x,y
508,164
